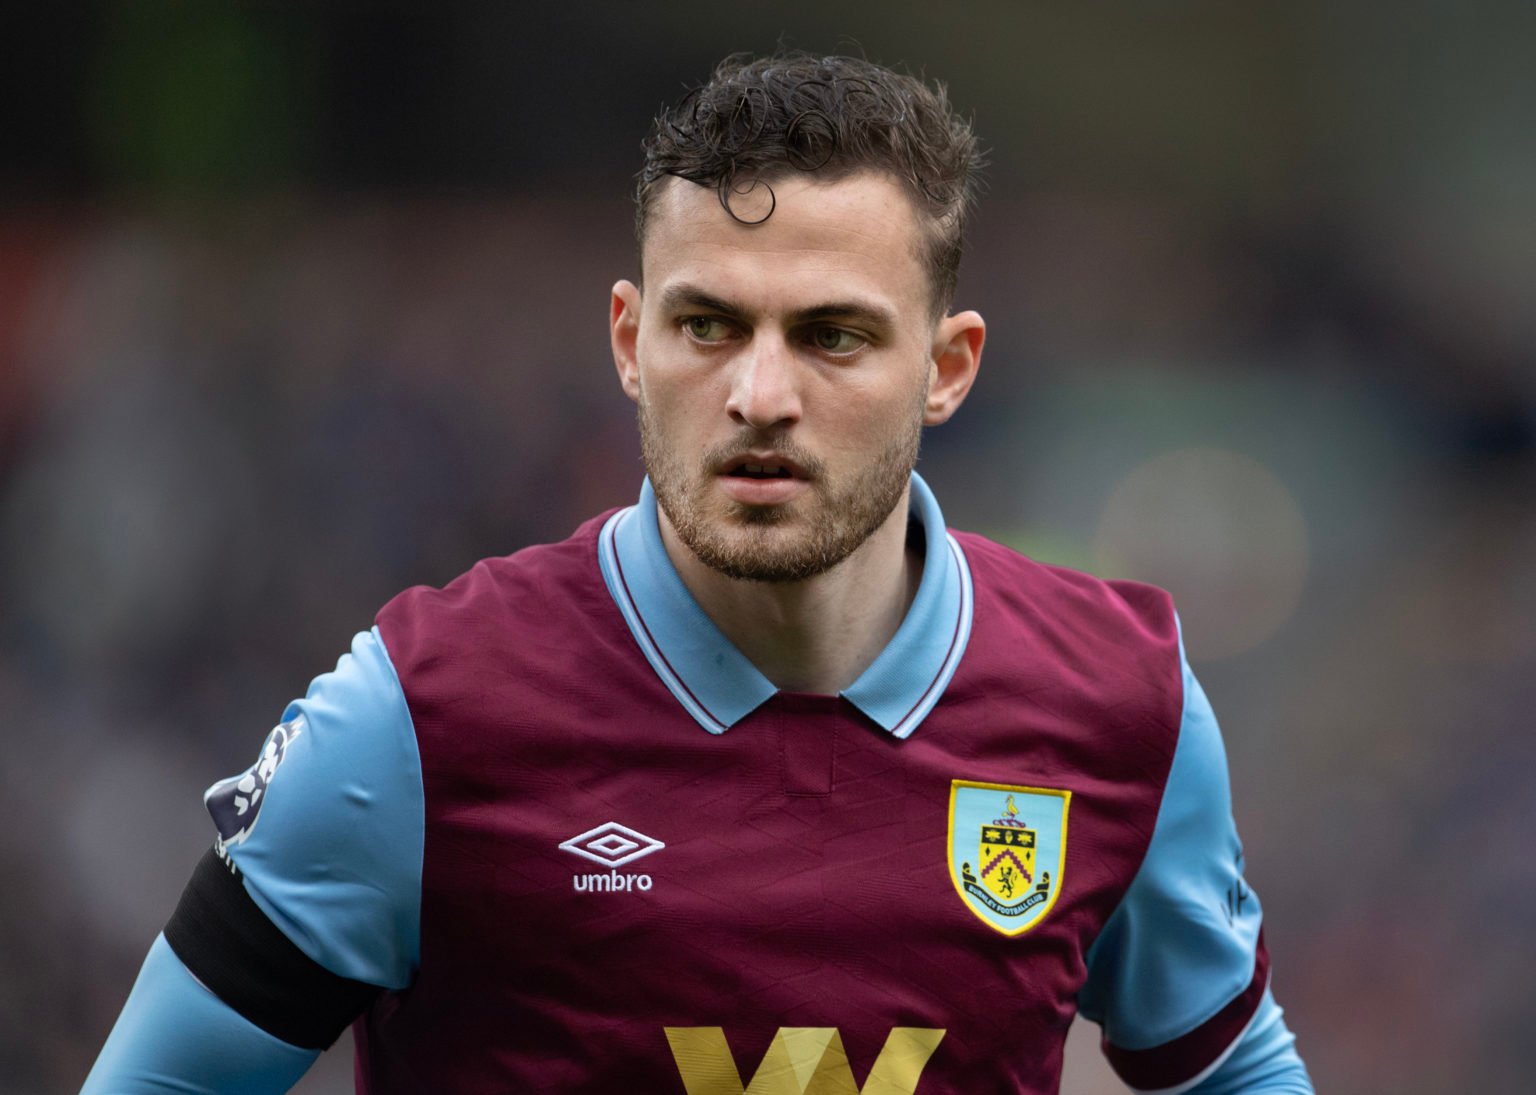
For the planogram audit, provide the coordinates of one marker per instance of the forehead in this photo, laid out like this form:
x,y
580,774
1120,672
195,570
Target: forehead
x,y
856,235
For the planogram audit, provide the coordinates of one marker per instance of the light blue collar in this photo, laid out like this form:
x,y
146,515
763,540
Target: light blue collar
x,y
718,685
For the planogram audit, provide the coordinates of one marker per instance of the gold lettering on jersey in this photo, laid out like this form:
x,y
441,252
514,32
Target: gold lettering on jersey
x,y
801,1061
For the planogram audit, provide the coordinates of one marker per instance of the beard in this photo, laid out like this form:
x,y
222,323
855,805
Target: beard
x,y
779,543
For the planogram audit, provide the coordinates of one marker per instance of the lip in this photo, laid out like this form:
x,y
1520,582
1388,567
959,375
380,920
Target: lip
x,y
766,457
762,492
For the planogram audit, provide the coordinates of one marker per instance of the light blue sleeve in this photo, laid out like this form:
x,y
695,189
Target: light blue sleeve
x,y
327,827
1184,942
175,1036
1264,1061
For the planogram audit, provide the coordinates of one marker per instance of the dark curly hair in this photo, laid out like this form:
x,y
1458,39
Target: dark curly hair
x,y
760,119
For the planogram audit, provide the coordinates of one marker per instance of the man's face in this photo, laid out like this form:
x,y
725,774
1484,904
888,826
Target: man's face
x,y
781,369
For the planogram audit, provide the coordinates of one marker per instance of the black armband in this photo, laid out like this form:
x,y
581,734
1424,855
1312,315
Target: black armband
x,y
226,941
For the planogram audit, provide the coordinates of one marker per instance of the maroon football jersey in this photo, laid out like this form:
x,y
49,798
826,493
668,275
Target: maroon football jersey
x,y
645,870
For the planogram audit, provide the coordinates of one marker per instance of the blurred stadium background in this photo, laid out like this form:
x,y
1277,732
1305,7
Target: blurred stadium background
x,y
300,305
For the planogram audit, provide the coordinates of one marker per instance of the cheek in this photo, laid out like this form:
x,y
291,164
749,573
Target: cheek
x,y
876,411
668,364
675,396
679,408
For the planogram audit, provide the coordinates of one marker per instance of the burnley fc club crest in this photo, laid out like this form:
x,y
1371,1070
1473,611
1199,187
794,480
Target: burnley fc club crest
x,y
1007,850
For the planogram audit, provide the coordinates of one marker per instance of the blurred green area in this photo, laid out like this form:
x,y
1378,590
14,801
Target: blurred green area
x,y
195,97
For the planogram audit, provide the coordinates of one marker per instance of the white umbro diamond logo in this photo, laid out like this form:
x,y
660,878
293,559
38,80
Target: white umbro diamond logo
x,y
612,844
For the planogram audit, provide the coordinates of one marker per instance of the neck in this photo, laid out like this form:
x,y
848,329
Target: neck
x,y
817,635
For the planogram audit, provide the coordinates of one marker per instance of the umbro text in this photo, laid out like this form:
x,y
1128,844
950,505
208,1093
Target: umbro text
x,y
612,882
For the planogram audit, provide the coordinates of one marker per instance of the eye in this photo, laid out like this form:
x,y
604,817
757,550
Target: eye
x,y
706,329
835,340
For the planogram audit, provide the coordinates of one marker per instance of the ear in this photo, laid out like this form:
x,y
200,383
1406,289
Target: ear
x,y
624,334
957,343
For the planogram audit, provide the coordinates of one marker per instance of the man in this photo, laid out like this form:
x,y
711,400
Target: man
x,y
763,784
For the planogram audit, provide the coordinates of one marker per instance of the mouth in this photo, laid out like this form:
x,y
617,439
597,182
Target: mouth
x,y
761,464
762,478
760,471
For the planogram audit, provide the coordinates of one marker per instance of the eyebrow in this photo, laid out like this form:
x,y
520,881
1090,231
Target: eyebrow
x,y
688,296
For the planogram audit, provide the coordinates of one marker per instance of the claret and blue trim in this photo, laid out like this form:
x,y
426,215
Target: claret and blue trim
x,y
718,686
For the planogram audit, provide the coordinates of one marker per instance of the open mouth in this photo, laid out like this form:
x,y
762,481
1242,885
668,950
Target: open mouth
x,y
760,471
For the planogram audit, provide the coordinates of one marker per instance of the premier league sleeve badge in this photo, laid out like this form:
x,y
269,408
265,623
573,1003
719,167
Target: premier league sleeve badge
x,y
235,803
1007,851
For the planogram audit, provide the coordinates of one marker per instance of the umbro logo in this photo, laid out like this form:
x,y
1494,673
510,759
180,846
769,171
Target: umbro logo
x,y
611,845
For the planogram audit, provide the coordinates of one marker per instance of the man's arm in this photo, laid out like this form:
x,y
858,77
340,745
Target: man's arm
x,y
1179,977
1264,1060
174,1035
305,910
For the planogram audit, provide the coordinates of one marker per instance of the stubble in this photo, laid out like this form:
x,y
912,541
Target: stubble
x,y
781,543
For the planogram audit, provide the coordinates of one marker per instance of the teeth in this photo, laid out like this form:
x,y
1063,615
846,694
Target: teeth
x,y
764,469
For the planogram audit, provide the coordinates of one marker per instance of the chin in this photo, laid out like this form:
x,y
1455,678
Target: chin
x,y
766,552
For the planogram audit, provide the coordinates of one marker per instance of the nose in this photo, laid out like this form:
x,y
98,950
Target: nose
x,y
764,386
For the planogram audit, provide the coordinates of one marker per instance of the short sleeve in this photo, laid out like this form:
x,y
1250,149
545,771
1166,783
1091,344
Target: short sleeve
x,y
326,829
1179,970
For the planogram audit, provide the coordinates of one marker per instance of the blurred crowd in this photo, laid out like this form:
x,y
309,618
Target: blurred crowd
x,y
233,422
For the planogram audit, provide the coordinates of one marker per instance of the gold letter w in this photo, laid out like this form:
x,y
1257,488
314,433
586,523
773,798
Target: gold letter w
x,y
801,1061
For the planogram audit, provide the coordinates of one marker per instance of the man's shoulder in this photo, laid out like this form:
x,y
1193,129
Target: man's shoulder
x,y
1115,642
531,590
1047,591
